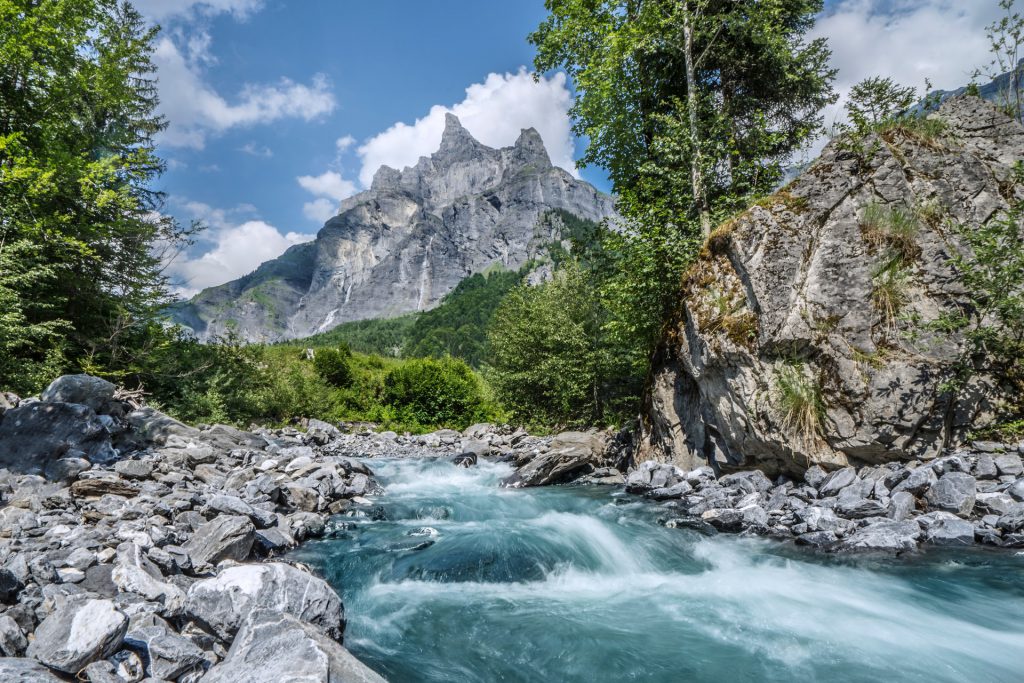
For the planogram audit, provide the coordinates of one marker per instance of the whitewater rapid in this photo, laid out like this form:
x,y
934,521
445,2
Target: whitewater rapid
x,y
451,578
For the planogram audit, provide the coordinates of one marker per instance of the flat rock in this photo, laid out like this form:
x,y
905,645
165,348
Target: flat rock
x,y
223,602
1009,464
17,670
272,647
950,532
889,535
77,633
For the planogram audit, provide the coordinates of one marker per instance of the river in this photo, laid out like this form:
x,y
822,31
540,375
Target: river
x,y
451,578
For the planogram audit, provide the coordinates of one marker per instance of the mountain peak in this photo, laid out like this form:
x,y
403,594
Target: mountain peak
x,y
529,149
455,137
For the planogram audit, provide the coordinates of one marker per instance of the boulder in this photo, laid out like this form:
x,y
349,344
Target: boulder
x,y
35,435
134,573
888,535
165,654
227,537
553,467
464,459
272,647
96,393
222,602
152,426
134,469
16,670
1013,520
102,486
953,492
946,531
837,481
78,632
1009,464
12,640
917,481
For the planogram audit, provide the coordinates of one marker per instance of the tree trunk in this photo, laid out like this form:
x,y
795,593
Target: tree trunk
x,y
696,172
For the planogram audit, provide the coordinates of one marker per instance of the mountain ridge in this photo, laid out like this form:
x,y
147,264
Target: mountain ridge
x,y
403,243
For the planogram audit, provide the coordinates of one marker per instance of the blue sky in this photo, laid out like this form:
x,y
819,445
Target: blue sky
x,y
280,108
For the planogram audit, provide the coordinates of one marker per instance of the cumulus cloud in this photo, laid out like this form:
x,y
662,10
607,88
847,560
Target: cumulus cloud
x,y
493,111
343,143
328,184
907,40
320,210
236,245
162,10
256,150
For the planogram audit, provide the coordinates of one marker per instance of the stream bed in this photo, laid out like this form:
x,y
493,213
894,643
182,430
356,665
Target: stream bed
x,y
451,578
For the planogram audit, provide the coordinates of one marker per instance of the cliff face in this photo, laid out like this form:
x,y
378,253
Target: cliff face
x,y
404,243
798,304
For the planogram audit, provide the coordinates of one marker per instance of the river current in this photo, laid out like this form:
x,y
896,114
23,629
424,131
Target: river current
x,y
451,578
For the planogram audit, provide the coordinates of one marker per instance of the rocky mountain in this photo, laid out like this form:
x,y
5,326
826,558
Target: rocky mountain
x,y
404,243
800,339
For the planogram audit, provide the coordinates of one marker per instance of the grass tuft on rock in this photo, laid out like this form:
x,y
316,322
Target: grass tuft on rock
x,y
892,229
800,401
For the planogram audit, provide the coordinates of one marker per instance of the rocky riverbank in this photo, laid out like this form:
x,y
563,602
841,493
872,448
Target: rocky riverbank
x,y
133,546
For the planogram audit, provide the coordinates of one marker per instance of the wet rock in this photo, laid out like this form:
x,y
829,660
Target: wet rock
x,y
464,460
950,531
77,633
228,537
272,647
953,492
223,602
817,539
724,519
889,535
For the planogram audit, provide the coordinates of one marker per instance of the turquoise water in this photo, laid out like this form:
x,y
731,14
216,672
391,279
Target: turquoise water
x,y
454,579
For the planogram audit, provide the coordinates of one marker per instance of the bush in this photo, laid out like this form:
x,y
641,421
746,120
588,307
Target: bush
x,y
800,401
435,392
333,366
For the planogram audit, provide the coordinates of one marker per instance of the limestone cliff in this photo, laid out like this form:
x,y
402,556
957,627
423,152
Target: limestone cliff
x,y
799,297
404,243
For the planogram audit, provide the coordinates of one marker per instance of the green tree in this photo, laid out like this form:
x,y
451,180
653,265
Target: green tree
x,y
877,101
77,158
431,391
692,107
1006,40
552,360
333,366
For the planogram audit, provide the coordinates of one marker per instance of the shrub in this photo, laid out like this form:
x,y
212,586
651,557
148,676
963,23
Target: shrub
x,y
800,401
435,392
333,366
893,229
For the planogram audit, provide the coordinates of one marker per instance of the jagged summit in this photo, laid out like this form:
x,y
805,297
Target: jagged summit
x,y
404,243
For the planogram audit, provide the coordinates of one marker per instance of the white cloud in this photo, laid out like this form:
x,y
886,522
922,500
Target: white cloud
x,y
343,143
234,248
907,40
194,109
320,210
162,10
493,111
256,150
328,184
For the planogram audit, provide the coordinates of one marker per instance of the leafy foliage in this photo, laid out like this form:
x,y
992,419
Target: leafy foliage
x,y
332,365
431,391
877,101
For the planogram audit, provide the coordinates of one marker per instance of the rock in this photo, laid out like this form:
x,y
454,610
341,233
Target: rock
x,y
817,539
134,573
724,519
917,482
553,467
152,426
12,640
464,460
985,467
994,503
228,537
272,647
95,488
953,492
476,448
223,602
165,654
1009,464
35,435
862,508
900,506
677,490
134,469
1016,490
950,532
10,585
25,671
819,519
888,535
712,389
749,481
96,393
78,632
814,475
1013,520
837,481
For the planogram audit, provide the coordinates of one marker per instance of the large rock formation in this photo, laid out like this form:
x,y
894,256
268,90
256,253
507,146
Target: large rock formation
x,y
787,351
404,243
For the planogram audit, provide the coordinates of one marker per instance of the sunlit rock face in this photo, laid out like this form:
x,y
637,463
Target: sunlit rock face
x,y
404,243
799,309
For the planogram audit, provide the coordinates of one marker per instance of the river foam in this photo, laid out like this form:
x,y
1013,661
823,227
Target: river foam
x,y
579,584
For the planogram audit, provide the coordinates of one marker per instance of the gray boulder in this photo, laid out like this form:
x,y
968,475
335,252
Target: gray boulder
x,y
1009,464
917,482
134,573
165,654
12,640
87,390
889,535
1013,520
134,469
223,602
953,492
227,537
17,670
273,647
837,481
901,505
78,632
34,436
947,531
